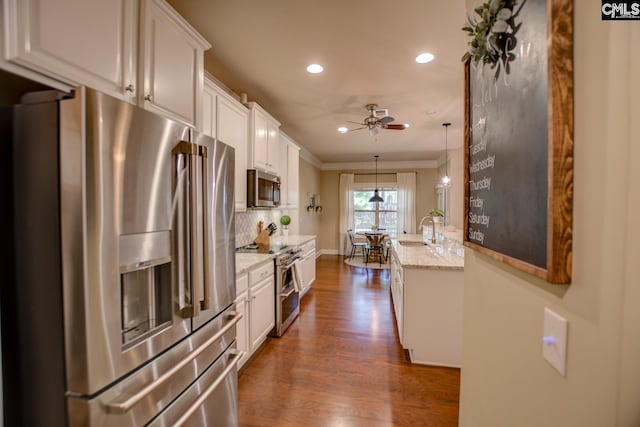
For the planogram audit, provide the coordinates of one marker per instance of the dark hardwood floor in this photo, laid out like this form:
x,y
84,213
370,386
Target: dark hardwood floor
x,y
341,364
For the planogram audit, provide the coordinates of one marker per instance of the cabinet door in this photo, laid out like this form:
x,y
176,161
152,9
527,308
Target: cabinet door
x,y
173,57
284,178
273,148
309,268
81,42
293,160
209,110
262,311
260,140
242,328
232,122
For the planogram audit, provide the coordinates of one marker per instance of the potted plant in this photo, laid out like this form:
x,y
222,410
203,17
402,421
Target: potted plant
x,y
285,220
437,215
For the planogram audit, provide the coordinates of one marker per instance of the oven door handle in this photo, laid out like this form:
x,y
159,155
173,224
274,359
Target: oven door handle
x,y
236,356
125,402
288,294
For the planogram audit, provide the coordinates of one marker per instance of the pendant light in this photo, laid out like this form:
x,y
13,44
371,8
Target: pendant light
x,y
376,197
445,179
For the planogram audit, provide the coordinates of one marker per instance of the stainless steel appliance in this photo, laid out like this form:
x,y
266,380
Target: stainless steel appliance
x,y
130,218
287,293
263,189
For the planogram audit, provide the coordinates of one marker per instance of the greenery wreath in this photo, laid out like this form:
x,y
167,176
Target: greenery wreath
x,y
493,36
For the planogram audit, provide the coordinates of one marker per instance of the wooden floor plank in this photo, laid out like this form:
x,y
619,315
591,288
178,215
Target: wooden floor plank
x,y
340,363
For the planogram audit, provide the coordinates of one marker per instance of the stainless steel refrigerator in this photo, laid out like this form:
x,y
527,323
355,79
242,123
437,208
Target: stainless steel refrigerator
x,y
124,267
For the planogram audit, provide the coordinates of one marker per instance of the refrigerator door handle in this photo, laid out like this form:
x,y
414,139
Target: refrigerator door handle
x,y
205,302
185,240
125,402
236,356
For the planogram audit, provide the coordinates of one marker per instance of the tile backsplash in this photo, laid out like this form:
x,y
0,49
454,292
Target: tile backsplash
x,y
247,224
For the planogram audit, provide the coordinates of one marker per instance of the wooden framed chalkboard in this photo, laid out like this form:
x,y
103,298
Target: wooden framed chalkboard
x,y
519,147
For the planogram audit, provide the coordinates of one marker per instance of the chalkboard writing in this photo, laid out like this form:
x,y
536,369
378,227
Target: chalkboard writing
x,y
508,150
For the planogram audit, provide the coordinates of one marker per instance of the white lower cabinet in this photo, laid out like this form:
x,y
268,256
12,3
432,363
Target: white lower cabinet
x,y
255,292
428,309
397,289
242,306
242,327
261,311
308,265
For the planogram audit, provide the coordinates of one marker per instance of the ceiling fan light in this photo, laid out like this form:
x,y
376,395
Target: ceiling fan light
x,y
315,68
424,57
343,129
446,179
373,131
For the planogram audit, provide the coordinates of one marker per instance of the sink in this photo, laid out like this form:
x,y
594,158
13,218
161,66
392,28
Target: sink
x,y
411,243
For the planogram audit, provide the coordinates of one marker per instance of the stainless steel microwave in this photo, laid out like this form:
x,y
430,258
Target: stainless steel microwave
x,y
263,189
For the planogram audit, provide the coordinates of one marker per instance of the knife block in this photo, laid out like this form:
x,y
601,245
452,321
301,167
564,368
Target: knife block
x,y
263,238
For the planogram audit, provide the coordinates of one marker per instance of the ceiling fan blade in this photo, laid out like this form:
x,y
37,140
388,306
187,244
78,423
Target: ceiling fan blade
x,y
356,123
351,130
395,126
385,120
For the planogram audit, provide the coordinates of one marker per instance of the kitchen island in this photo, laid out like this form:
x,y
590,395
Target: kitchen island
x,y
427,292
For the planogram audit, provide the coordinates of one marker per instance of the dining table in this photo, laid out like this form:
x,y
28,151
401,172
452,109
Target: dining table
x,y
375,238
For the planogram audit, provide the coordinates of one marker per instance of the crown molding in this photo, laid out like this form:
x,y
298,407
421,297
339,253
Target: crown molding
x,y
310,158
409,164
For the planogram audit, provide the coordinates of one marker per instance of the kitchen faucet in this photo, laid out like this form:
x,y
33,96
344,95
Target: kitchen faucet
x,y
433,227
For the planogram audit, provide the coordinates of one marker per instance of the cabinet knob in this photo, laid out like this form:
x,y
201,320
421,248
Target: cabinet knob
x,y
130,88
148,97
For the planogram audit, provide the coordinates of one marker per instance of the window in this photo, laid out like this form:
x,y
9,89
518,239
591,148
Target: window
x,y
384,215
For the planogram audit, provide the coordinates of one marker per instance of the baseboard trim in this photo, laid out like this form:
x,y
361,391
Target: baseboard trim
x,y
327,252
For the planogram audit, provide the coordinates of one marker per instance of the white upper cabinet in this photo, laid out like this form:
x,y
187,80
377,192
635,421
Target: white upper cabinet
x,y
233,125
78,42
154,59
264,145
172,56
209,109
227,119
289,164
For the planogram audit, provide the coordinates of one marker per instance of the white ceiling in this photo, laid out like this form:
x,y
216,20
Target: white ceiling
x,y
368,50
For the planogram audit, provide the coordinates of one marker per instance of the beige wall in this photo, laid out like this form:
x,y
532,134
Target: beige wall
x,y
505,380
309,184
330,193
456,189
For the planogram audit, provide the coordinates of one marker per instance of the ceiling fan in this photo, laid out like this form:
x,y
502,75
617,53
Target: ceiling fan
x,y
378,119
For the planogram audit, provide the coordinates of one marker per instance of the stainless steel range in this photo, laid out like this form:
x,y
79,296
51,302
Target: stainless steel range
x,y
287,294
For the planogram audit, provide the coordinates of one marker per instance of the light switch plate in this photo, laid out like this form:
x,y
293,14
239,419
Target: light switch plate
x,y
554,340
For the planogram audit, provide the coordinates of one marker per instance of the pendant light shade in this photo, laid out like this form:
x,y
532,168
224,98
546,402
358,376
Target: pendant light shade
x,y
376,197
445,179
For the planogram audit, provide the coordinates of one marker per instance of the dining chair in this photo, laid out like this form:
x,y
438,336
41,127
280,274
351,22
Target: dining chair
x,y
374,248
355,245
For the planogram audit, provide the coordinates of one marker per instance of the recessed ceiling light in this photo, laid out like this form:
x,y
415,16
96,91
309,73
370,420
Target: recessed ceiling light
x,y
406,125
315,68
425,57
343,129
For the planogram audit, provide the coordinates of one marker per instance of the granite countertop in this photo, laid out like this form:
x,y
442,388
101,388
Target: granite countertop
x,y
448,255
246,261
